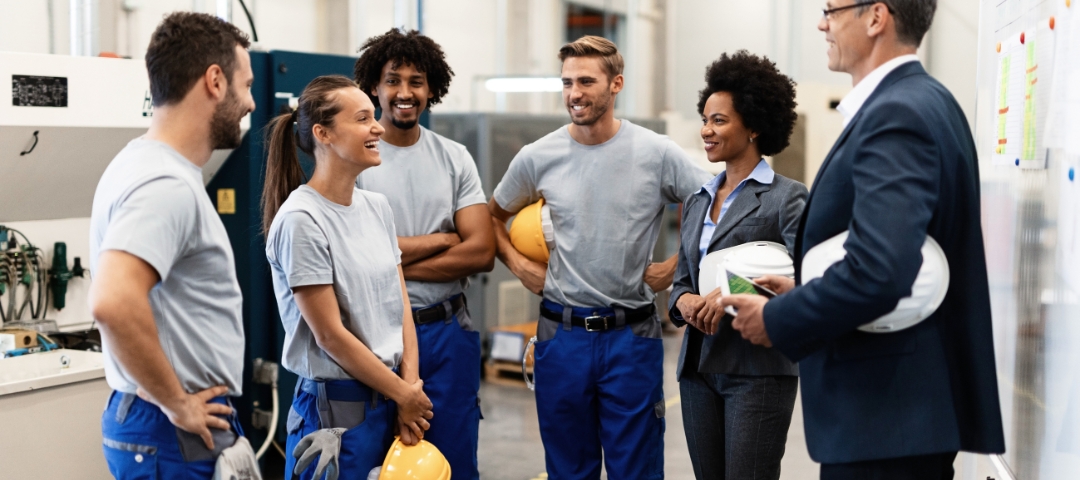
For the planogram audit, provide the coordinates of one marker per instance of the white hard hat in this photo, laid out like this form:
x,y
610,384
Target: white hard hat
x,y
750,260
927,292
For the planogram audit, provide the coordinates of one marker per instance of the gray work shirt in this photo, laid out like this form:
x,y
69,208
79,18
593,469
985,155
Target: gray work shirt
x,y
151,203
314,241
606,205
426,184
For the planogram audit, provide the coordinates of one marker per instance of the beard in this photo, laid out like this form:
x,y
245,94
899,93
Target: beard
x,y
600,106
403,124
225,124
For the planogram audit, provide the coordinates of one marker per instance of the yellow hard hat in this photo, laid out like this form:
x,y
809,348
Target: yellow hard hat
x,y
422,461
532,234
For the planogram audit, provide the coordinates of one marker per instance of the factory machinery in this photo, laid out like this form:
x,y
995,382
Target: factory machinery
x,y
28,284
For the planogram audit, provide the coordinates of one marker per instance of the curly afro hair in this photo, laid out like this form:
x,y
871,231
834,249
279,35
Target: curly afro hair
x,y
764,97
409,48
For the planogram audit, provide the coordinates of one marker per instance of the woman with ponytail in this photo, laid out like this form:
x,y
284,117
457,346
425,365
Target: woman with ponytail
x,y
337,276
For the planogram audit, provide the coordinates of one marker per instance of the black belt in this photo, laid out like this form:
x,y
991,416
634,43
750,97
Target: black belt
x,y
597,323
437,312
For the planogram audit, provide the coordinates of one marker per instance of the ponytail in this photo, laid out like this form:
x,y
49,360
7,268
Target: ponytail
x,y
283,172
317,106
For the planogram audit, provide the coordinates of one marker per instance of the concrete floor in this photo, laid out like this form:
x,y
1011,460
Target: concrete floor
x,y
510,446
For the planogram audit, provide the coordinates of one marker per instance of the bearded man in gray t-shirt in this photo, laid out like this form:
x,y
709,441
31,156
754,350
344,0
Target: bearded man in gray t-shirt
x,y
443,227
599,359
165,294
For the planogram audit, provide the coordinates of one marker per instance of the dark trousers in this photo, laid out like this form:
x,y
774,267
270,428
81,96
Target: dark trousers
x,y
938,466
736,426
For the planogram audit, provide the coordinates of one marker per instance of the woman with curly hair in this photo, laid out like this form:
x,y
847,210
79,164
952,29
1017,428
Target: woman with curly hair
x,y
737,397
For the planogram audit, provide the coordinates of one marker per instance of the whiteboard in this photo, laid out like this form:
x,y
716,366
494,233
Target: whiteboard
x,y
1027,131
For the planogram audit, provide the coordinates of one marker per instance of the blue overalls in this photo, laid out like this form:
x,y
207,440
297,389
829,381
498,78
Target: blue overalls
x,y
141,443
368,417
450,369
599,397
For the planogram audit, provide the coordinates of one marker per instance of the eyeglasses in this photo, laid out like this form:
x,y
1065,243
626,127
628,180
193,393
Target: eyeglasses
x,y
830,13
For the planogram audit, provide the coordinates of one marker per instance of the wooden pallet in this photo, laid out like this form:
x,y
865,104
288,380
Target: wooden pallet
x,y
505,373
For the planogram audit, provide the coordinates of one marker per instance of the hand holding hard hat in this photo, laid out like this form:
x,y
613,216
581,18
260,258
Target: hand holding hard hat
x,y
927,292
532,232
731,269
422,461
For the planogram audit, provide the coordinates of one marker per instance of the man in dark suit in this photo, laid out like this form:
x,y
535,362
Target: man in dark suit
x,y
894,405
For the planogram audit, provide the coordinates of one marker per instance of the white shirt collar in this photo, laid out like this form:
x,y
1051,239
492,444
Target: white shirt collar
x,y
763,173
855,99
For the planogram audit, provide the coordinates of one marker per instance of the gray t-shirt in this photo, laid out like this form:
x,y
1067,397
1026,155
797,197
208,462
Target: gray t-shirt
x,y
606,205
314,241
151,203
426,184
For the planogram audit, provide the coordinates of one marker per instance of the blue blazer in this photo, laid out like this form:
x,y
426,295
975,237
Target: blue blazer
x,y
903,168
760,213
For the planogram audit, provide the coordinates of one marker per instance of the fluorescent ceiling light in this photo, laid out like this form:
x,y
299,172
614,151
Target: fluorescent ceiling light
x,y
524,84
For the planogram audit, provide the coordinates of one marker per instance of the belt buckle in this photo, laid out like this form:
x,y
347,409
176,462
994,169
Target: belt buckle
x,y
593,318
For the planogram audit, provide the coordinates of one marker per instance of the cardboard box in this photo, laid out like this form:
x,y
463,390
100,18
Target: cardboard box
x,y
23,338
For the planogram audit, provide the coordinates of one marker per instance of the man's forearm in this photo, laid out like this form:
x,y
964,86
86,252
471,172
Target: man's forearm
x,y
414,249
503,248
131,336
455,263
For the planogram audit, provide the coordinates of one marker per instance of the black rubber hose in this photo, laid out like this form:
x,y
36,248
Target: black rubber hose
x,y
254,34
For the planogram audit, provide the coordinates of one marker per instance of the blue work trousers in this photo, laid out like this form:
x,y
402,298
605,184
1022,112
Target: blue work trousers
x,y
140,443
450,369
367,416
599,397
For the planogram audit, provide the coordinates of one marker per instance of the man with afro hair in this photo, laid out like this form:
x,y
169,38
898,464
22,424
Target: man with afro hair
x,y
443,227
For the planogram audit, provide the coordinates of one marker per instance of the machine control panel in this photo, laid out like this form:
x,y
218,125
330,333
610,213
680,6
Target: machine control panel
x,y
35,91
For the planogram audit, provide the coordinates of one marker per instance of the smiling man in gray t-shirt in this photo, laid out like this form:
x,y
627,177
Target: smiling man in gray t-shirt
x,y
598,364
443,227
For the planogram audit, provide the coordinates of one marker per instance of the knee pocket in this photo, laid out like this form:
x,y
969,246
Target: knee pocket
x,y
130,461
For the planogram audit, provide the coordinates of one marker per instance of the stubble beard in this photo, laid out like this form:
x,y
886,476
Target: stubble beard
x,y
599,107
225,124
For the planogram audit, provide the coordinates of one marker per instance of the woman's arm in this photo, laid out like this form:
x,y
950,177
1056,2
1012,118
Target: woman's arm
x,y
410,365
319,308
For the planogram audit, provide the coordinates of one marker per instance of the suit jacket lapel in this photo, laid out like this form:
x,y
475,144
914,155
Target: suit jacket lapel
x,y
746,202
693,216
912,68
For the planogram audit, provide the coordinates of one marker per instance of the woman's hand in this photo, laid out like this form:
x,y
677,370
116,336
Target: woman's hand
x,y
778,284
711,314
689,305
405,433
414,410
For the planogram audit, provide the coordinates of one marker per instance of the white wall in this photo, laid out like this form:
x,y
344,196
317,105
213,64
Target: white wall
x,y
703,29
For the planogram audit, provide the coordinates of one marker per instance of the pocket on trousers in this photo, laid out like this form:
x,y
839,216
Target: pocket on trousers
x,y
294,422
650,328
193,448
347,415
130,461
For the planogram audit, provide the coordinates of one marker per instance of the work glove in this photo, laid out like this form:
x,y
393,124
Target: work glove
x,y
326,444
